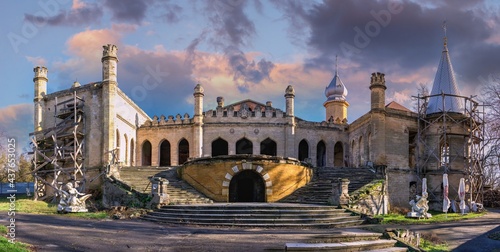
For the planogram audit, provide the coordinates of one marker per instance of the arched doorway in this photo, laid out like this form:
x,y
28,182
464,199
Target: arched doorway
x,y
247,186
321,154
303,150
268,147
183,151
244,146
219,147
165,153
146,153
338,155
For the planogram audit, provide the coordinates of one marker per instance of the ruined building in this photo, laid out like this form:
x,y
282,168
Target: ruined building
x,y
90,129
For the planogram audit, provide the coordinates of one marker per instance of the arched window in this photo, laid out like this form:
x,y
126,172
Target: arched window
x,y
444,154
165,153
354,154
244,146
361,152
125,138
369,149
146,153
338,155
303,150
268,147
117,146
219,147
321,154
132,152
183,151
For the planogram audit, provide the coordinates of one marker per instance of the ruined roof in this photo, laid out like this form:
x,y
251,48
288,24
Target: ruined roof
x,y
397,106
445,83
248,103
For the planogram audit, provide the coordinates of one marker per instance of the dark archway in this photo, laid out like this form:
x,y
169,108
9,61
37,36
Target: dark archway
x,y
338,155
244,146
247,186
219,147
146,153
321,154
165,153
303,150
132,152
118,151
183,151
268,147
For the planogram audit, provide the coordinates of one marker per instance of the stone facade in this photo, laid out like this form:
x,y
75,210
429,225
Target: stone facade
x,y
384,136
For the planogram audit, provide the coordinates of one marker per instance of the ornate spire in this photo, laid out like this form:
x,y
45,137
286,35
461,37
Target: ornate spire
x,y
445,86
336,90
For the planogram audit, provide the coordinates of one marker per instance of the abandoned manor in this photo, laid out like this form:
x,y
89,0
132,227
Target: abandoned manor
x,y
97,138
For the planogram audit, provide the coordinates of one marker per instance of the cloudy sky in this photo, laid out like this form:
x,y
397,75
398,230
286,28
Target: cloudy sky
x,y
242,49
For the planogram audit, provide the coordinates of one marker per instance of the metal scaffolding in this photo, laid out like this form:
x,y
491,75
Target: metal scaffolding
x,y
58,152
466,126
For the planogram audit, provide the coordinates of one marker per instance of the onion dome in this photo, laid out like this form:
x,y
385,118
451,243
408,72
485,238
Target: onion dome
x,y
336,90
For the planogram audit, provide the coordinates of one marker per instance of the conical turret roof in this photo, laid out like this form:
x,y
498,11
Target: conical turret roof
x,y
445,83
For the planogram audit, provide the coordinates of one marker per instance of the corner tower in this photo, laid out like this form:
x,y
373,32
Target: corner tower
x,y
336,104
198,120
109,90
40,80
290,103
377,87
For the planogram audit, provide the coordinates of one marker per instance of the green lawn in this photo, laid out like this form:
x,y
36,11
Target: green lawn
x,y
27,205
437,217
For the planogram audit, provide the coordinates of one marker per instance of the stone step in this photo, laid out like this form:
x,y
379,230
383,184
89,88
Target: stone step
x,y
318,191
341,246
255,215
179,191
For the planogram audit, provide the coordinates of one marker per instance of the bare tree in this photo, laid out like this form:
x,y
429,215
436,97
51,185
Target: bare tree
x,y
491,164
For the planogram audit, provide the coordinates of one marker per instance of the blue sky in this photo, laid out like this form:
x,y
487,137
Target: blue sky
x,y
242,49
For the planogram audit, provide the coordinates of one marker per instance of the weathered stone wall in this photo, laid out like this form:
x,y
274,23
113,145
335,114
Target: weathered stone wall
x,y
128,117
398,186
92,94
212,177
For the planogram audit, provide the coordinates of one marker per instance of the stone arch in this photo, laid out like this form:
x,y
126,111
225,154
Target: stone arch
x,y
338,155
183,151
257,169
244,146
125,138
220,147
132,153
146,153
354,154
268,147
164,153
321,154
303,150
117,146
361,151
369,154
247,186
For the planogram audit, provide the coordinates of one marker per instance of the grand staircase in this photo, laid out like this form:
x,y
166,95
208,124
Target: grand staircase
x,y
319,189
179,191
267,215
